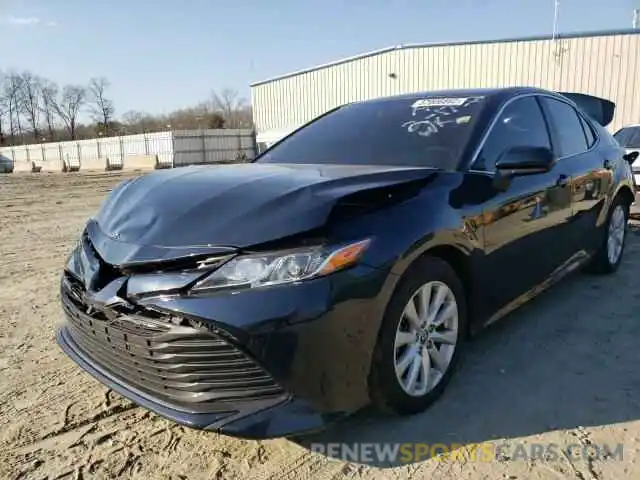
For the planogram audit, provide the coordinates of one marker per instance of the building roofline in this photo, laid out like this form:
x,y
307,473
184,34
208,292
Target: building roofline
x,y
586,34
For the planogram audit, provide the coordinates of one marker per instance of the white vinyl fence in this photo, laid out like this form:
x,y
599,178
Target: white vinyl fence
x,y
149,150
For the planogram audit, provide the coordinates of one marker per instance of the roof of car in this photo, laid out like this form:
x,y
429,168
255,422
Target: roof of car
x,y
470,92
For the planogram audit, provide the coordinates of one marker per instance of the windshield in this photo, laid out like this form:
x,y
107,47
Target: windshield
x,y
628,137
424,132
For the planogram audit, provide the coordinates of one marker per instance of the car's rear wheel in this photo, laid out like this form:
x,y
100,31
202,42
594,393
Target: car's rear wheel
x,y
609,256
420,338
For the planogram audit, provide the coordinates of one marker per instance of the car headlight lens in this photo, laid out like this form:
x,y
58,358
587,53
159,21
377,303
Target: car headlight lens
x,y
258,270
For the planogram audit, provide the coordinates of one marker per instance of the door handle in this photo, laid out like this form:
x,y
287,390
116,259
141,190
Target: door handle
x,y
563,181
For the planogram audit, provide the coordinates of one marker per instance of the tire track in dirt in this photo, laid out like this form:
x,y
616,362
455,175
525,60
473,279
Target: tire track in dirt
x,y
299,468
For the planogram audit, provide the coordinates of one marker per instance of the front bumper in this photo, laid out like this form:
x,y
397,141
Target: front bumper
x,y
277,417
314,339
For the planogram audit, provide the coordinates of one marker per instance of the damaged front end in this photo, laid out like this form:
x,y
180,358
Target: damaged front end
x,y
183,368
231,337
164,335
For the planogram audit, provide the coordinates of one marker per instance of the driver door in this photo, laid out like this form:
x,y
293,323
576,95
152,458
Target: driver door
x,y
527,222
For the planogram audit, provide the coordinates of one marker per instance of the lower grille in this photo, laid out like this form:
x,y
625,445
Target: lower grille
x,y
184,366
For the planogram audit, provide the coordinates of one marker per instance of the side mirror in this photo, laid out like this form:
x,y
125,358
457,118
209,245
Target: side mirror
x,y
631,157
518,161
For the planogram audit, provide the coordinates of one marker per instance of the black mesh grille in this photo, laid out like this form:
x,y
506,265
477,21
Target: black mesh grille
x,y
182,365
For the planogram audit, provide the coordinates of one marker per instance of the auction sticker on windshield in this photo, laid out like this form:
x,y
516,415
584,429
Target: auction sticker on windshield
x,y
439,102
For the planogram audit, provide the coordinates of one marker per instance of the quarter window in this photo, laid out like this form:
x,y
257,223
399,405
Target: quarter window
x,y
570,133
520,124
588,131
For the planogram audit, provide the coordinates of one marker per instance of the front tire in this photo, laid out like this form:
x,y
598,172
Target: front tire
x,y
609,256
420,338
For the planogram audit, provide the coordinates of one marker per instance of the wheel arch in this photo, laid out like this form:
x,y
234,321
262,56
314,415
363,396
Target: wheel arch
x,y
460,259
461,263
626,192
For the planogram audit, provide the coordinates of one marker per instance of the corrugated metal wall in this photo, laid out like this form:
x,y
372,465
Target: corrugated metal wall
x,y
212,146
602,65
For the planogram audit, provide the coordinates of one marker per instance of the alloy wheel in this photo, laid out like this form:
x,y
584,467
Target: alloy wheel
x,y
615,234
426,338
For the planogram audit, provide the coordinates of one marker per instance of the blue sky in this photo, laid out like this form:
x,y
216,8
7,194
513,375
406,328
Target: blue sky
x,y
164,55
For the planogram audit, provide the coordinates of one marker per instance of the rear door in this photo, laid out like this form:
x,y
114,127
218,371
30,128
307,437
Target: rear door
x,y
575,144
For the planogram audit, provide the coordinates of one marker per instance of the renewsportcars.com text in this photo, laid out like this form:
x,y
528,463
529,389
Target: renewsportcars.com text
x,y
480,452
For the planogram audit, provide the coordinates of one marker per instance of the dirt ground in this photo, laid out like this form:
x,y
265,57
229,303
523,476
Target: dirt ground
x,y
564,369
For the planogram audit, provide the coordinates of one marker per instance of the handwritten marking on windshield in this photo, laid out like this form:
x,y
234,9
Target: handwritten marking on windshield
x,y
446,110
434,110
429,125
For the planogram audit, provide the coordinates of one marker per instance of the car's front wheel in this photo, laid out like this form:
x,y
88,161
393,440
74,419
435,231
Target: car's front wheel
x,y
420,338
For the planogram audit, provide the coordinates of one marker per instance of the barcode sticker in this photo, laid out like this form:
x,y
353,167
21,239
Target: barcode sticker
x,y
439,102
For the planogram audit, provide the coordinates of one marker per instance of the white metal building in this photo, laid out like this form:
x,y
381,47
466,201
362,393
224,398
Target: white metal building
x,y
605,64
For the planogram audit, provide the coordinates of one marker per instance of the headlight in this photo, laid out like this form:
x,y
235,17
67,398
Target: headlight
x,y
282,267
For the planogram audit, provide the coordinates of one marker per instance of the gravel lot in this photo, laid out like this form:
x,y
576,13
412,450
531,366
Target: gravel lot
x,y
564,369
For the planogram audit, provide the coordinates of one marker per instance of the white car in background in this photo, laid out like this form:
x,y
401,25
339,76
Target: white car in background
x,y
267,138
6,164
629,138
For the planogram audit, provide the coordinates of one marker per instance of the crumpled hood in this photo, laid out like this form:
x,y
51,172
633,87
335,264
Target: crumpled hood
x,y
228,206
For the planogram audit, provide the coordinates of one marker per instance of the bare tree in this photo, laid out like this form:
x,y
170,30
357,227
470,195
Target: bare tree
x,y
11,89
49,92
229,104
138,122
27,100
102,109
30,97
245,117
3,111
132,116
68,108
